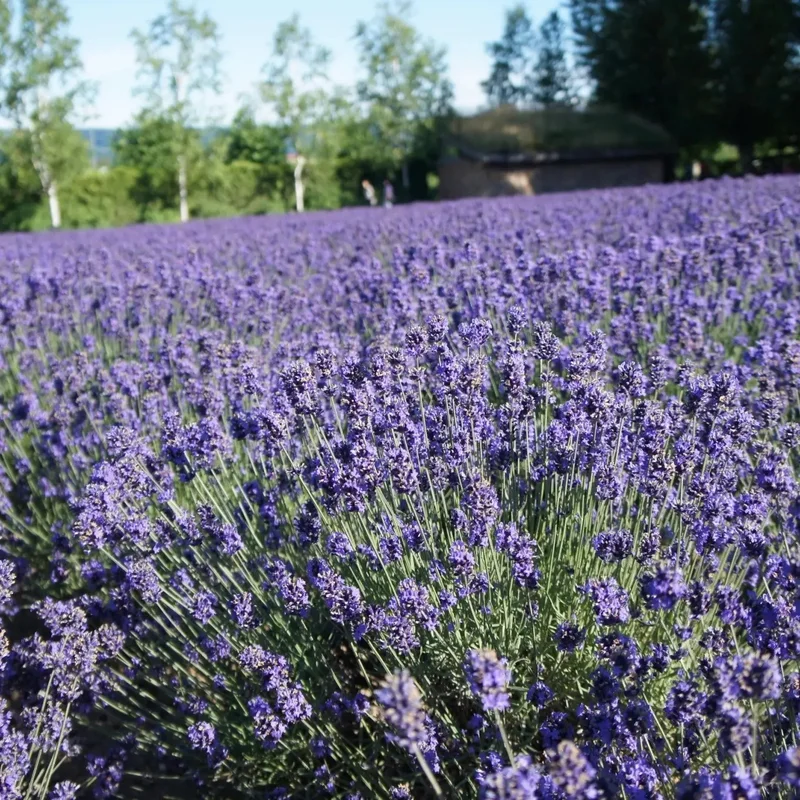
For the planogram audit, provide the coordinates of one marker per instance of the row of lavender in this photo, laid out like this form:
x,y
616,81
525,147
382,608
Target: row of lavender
x,y
493,499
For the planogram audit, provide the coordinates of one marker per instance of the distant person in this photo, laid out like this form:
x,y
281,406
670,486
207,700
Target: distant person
x,y
388,194
369,192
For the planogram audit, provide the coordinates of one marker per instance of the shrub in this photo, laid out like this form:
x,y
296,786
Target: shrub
x,y
487,499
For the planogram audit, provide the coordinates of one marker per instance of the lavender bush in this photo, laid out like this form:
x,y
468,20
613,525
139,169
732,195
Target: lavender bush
x,y
493,499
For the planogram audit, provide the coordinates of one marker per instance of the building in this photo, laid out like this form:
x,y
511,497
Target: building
x,y
506,151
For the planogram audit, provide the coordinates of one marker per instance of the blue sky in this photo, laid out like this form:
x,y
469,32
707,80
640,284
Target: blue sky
x,y
247,26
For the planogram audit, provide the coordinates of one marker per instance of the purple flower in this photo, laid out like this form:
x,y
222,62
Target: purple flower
x,y
242,611
569,637
338,545
488,677
613,545
788,767
662,589
7,578
204,607
476,333
319,747
142,577
292,591
203,736
268,726
481,502
518,782
344,601
461,560
610,601
64,790
546,345
391,549
540,694
572,772
413,537
401,703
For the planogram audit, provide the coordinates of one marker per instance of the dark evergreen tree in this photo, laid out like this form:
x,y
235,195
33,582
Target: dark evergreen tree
x,y
753,44
650,57
552,80
512,61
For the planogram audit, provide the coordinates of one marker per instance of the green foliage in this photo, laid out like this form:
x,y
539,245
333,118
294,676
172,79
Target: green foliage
x,y
295,77
704,71
263,147
363,154
552,78
43,91
100,199
20,189
652,59
295,89
512,59
21,193
148,146
179,60
405,86
248,140
753,45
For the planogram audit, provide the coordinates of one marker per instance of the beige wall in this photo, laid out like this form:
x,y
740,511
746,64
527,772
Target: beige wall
x,y
459,178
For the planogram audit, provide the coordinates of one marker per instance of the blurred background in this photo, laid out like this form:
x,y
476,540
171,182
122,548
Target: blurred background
x,y
121,112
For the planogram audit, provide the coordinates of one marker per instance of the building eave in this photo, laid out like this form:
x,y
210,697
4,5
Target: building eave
x,y
578,156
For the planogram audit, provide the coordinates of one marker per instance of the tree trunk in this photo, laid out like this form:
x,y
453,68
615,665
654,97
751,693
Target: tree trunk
x,y
406,181
49,185
182,189
299,188
55,207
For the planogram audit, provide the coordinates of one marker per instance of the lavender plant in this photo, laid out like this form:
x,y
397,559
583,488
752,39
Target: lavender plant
x,y
495,499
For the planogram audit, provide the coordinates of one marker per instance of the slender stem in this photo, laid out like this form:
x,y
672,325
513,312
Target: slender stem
x,y
428,772
499,720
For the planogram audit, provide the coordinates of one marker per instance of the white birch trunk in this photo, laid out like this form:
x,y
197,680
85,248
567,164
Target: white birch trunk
x,y
49,184
299,188
55,206
183,191
40,162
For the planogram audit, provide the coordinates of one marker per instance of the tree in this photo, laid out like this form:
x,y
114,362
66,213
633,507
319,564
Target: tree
x,y
148,146
649,57
405,87
297,62
20,188
263,146
552,80
753,46
512,60
179,61
44,92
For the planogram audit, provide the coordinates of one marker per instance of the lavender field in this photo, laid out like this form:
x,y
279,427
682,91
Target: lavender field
x,y
492,499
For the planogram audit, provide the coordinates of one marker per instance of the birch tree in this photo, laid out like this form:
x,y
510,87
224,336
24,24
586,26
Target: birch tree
x,y
179,59
405,85
44,90
294,89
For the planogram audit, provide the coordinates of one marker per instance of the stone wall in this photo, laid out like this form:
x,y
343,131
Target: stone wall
x,y
463,178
